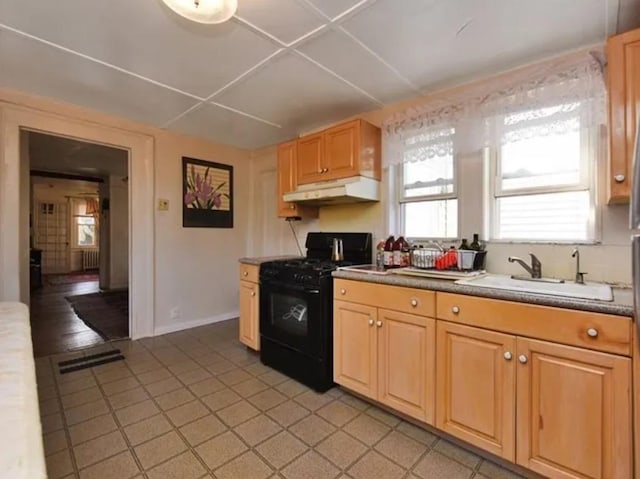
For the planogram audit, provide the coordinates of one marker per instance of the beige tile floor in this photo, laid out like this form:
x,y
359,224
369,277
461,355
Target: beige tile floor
x,y
197,404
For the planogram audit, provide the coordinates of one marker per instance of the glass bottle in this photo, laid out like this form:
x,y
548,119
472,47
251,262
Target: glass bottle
x,y
464,244
475,244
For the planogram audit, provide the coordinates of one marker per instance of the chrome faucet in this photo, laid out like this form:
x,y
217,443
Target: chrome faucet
x,y
535,270
579,274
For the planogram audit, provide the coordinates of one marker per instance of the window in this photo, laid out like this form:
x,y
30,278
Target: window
x,y
543,181
84,225
427,187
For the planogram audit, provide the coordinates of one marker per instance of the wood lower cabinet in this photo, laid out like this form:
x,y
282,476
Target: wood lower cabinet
x,y
623,70
249,321
355,344
406,363
476,387
573,412
386,355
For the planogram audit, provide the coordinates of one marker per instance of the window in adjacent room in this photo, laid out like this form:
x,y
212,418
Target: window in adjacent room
x,y
84,224
543,176
427,186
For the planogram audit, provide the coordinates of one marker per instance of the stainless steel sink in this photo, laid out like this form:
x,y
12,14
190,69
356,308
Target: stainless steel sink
x,y
594,291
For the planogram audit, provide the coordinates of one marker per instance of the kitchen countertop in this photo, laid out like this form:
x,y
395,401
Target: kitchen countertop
x,y
258,260
622,304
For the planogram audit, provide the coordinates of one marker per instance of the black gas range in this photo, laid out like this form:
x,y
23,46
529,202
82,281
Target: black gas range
x,y
296,308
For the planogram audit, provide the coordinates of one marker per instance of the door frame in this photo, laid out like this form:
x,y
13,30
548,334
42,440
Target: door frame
x,y
14,221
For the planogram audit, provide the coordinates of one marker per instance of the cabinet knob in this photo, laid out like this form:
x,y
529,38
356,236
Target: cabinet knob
x,y
592,332
379,324
245,273
324,170
343,291
523,359
507,355
370,322
253,293
414,302
293,207
619,178
455,310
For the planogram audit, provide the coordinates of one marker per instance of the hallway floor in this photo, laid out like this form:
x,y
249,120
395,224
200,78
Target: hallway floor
x,y
55,327
197,404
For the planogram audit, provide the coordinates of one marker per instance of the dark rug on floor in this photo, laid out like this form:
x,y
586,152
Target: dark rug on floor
x,y
107,313
80,277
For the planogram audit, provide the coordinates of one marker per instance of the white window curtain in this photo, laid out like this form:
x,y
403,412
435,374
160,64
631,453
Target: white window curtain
x,y
540,99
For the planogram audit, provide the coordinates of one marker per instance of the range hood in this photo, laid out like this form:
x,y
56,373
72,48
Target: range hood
x,y
346,190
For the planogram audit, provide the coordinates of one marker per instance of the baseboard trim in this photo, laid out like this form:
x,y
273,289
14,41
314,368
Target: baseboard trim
x,y
194,323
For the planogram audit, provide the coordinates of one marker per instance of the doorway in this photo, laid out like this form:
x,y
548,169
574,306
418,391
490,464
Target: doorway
x,y
78,242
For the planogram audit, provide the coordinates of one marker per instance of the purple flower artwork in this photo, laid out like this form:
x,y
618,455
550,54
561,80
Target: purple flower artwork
x,y
207,194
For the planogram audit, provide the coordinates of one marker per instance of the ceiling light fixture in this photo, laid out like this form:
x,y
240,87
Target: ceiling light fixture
x,y
204,11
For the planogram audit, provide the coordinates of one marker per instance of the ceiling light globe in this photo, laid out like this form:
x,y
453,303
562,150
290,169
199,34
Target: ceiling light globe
x,y
204,11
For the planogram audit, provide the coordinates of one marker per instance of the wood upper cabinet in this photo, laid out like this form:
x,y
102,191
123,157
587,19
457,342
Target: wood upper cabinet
x,y
287,178
574,412
349,149
476,387
249,306
406,363
355,346
309,167
623,52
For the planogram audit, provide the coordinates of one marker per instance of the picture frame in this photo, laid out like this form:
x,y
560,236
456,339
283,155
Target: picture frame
x,y
207,194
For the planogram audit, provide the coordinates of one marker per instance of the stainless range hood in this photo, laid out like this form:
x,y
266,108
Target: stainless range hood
x,y
346,190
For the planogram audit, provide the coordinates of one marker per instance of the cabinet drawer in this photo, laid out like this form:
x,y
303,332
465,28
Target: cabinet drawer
x,y
249,272
596,331
408,300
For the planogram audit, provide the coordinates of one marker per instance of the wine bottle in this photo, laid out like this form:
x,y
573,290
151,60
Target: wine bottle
x,y
475,244
464,244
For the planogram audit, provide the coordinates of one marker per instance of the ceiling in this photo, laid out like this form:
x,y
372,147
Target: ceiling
x,y
280,67
64,155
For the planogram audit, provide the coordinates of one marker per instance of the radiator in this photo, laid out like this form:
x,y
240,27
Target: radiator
x,y
90,259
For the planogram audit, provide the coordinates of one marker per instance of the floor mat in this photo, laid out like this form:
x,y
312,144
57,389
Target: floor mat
x,y
107,313
81,277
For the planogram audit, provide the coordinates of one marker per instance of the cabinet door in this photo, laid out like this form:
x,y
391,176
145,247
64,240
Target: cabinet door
x,y
355,347
476,387
308,163
249,301
574,413
624,102
406,363
286,178
341,151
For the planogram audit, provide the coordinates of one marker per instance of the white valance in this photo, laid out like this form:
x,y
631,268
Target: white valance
x,y
546,98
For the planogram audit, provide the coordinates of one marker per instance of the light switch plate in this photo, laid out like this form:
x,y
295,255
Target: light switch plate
x,y
163,205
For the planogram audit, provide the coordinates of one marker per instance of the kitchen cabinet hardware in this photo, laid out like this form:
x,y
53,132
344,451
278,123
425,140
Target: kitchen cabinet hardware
x,y
343,291
619,178
245,273
592,332
414,302
253,293
379,324
455,310
507,355
371,322
523,359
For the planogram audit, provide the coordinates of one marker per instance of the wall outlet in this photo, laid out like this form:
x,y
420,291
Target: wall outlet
x,y
174,313
163,205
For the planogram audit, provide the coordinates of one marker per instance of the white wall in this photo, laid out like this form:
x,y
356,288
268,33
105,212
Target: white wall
x,y
118,232
270,235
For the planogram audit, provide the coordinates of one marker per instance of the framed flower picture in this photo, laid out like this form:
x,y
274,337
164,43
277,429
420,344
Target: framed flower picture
x,y
207,194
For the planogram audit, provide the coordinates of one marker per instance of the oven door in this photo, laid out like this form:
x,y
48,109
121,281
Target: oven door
x,y
294,315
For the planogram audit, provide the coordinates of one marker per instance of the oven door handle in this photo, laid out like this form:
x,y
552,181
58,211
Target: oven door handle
x,y
290,287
